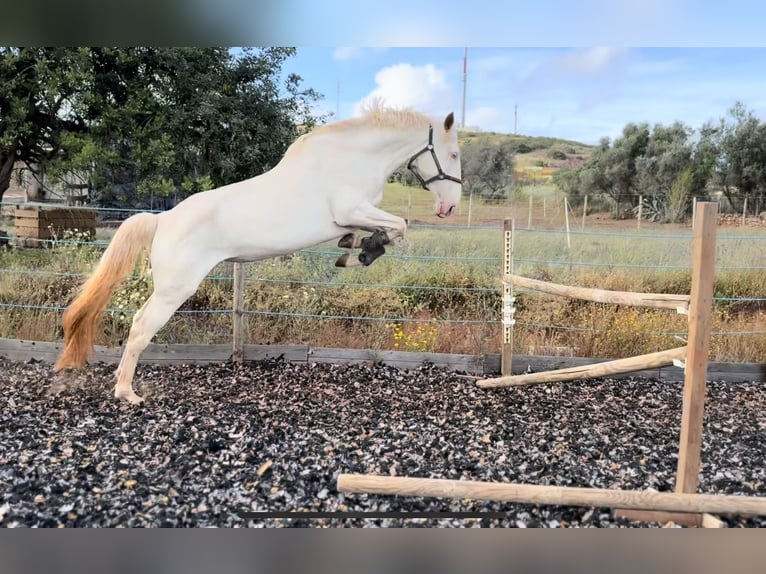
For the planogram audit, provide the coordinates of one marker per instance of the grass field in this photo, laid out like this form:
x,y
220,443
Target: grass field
x,y
438,289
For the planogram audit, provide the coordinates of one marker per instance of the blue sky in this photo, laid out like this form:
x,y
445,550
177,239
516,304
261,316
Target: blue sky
x,y
582,93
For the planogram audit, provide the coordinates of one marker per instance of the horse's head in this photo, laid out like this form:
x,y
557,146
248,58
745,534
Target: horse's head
x,y
437,165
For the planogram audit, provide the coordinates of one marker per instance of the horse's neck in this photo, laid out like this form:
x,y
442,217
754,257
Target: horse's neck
x,y
384,149
395,147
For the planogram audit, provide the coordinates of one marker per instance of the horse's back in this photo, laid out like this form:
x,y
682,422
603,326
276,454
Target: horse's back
x,y
268,215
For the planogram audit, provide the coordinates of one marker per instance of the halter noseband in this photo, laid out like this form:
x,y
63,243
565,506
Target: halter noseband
x,y
440,173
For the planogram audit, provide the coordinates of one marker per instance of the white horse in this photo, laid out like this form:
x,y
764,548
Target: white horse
x,y
328,185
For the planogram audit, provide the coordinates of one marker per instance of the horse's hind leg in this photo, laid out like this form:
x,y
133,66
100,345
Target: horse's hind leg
x,y
151,318
167,297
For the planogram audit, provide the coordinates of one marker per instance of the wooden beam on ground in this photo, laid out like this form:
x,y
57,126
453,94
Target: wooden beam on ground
x,y
710,521
700,324
553,495
683,518
618,366
654,300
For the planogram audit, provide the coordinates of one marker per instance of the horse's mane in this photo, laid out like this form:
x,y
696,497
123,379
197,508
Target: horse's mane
x,y
375,113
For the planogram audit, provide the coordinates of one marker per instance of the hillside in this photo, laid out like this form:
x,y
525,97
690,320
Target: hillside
x,y
537,152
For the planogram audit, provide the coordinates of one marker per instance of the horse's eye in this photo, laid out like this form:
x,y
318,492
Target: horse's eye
x,y
453,155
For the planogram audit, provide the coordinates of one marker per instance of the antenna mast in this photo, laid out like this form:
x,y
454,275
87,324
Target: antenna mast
x,y
465,77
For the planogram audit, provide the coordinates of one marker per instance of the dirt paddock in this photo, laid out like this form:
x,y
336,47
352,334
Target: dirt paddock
x,y
212,441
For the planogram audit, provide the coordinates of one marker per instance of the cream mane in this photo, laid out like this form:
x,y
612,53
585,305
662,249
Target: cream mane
x,y
376,114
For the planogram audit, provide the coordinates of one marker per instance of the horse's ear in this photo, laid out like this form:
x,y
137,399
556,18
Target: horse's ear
x,y
449,121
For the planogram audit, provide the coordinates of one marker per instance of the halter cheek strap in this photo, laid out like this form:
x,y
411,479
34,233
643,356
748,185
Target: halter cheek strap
x,y
440,173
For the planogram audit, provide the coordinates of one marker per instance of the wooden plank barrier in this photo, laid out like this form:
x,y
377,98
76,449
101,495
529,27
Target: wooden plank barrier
x,y
554,495
684,505
619,366
654,300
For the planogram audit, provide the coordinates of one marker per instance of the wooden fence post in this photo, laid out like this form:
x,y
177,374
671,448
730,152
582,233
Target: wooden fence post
x,y
529,216
238,350
508,299
695,369
470,207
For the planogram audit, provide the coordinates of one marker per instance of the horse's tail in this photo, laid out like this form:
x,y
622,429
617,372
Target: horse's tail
x,y
81,318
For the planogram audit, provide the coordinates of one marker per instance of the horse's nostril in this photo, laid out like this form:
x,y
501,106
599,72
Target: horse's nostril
x,y
450,210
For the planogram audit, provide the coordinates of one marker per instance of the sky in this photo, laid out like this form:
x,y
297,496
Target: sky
x,y
582,93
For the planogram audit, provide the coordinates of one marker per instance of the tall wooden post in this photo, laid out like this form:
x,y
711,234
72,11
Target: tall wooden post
x,y
529,214
238,340
700,313
508,299
470,207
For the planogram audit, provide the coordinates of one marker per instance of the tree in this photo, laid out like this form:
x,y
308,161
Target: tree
x,y
666,159
742,148
154,122
488,167
38,88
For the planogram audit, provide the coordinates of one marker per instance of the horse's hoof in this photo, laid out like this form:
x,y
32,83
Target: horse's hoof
x,y
129,396
347,260
348,241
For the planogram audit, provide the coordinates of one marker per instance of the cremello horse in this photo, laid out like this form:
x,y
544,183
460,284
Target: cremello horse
x,y
327,186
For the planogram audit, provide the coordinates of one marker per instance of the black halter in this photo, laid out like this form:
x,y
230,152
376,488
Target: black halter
x,y
440,175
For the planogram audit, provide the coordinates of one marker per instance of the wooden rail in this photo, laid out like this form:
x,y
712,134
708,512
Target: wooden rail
x,y
554,495
619,366
654,300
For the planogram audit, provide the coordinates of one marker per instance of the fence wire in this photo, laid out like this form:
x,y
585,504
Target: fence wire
x,y
520,232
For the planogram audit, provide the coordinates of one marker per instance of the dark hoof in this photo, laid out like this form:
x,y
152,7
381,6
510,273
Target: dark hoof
x,y
347,260
342,261
347,241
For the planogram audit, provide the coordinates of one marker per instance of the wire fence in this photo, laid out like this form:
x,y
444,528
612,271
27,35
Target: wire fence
x,y
488,316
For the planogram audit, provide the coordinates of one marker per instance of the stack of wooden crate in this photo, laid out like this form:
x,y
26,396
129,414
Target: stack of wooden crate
x,y
35,226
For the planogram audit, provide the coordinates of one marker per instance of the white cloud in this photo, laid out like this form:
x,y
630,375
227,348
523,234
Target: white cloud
x,y
424,88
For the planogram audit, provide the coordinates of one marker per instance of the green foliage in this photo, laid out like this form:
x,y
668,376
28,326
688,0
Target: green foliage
x,y
129,298
145,124
557,154
38,103
488,168
679,198
741,170
669,165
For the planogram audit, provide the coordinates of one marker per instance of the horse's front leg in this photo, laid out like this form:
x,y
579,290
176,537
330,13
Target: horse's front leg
x,y
385,228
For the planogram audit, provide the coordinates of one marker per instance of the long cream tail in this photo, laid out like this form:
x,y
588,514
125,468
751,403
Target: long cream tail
x,y
81,319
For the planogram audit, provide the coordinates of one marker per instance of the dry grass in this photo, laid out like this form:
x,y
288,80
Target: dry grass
x,y
455,290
